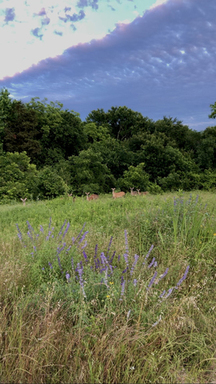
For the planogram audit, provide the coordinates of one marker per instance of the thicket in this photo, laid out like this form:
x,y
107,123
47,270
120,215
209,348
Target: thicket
x,y
46,151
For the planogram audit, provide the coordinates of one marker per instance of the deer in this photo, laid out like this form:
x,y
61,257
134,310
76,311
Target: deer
x,y
91,197
141,193
71,195
24,200
134,193
117,194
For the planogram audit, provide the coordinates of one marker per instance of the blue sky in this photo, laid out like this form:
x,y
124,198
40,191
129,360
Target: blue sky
x,y
155,57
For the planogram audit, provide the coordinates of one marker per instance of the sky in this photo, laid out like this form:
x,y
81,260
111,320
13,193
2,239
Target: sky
x,y
156,57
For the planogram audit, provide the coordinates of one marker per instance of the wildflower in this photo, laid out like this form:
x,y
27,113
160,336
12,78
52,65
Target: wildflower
x,y
152,246
68,225
214,234
67,276
154,325
152,280
79,233
85,256
123,289
135,282
108,296
50,265
111,282
83,237
60,232
164,274
169,293
150,265
183,277
80,272
136,257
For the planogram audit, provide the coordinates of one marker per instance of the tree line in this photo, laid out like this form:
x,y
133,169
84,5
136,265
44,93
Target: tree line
x,y
47,151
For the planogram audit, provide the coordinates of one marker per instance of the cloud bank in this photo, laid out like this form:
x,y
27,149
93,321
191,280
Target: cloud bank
x,y
163,63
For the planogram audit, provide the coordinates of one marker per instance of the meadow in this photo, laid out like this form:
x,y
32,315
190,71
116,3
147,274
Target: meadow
x,y
109,291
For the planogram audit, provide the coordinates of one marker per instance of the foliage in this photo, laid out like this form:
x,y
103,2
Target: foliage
x,y
50,184
135,177
18,178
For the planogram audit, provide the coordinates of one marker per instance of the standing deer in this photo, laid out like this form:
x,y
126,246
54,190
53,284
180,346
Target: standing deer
x,y
117,194
141,193
24,200
91,197
133,193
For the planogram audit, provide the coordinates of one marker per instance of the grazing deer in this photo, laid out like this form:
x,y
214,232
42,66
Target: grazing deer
x,y
134,193
24,200
117,194
141,193
91,197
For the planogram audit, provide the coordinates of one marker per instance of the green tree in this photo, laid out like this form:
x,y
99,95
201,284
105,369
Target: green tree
x,y
134,177
18,178
50,185
213,111
89,173
21,131
5,110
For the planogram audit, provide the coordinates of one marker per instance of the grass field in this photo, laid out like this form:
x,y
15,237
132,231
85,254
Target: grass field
x,y
109,291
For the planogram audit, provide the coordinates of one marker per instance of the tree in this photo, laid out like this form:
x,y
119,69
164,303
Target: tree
x,y
21,131
134,177
89,173
213,111
18,178
5,110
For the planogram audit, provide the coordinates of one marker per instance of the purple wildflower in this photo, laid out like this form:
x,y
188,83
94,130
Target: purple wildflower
x,y
85,256
72,263
150,249
68,225
164,274
119,257
136,257
122,289
111,260
83,237
61,249
41,229
50,265
30,236
183,277
84,245
96,248
135,282
162,294
152,280
126,258
67,276
80,272
169,293
60,232
80,233
68,249
150,265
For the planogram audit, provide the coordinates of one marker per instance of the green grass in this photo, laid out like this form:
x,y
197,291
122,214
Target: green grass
x,y
51,332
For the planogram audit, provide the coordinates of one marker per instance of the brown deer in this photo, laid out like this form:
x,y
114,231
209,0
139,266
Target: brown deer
x,y
24,200
91,197
133,193
141,193
117,194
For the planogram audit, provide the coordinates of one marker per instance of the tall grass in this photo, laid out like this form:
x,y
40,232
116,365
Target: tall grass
x,y
109,291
